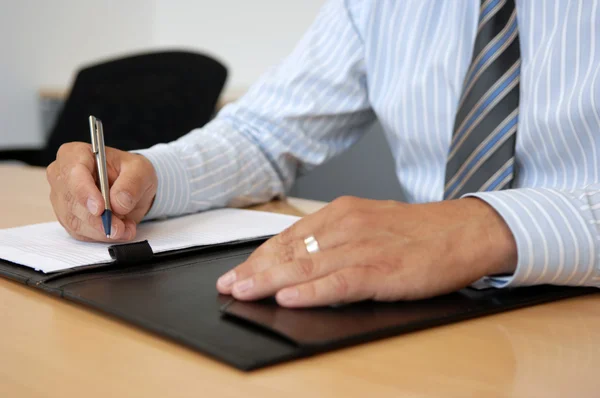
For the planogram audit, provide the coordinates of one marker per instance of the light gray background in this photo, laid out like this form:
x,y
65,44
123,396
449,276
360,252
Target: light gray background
x,y
366,170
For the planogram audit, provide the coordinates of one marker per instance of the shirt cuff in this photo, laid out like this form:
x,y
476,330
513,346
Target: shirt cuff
x,y
554,242
173,191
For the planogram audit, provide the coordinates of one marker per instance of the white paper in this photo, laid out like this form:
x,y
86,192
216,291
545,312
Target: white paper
x,y
48,247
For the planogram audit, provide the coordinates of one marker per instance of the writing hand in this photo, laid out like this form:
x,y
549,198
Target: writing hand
x,y
78,203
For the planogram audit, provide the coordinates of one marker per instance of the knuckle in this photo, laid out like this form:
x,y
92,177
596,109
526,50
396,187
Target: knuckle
x,y
71,153
68,148
344,203
310,291
73,223
65,170
340,284
69,200
63,150
265,278
286,237
305,267
73,199
286,254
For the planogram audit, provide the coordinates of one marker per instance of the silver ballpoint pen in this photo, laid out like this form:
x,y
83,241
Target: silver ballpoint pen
x,y
99,150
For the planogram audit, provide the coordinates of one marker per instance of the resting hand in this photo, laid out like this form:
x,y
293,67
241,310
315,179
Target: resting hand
x,y
78,202
377,250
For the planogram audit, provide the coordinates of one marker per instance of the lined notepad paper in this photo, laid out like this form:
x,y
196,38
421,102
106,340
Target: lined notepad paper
x,y
48,247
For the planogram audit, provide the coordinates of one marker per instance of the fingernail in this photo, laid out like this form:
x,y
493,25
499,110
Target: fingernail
x,y
288,295
92,206
243,286
114,231
125,200
227,279
128,233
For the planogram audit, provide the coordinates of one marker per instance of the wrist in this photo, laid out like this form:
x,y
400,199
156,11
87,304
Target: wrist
x,y
499,247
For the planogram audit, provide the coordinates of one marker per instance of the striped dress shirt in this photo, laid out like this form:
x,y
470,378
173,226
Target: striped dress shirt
x,y
403,63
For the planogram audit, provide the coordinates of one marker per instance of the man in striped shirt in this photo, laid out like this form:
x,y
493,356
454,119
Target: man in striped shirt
x,y
491,109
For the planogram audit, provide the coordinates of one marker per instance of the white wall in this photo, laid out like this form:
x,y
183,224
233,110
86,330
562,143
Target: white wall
x,y
43,42
18,123
249,35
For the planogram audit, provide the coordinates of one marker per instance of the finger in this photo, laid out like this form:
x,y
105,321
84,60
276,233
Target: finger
x,y
324,225
286,247
78,203
119,230
82,223
79,190
132,185
75,197
87,239
267,255
304,269
343,286
75,153
72,174
102,238
273,254
83,204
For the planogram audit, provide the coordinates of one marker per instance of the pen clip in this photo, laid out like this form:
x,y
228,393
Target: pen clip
x,y
94,133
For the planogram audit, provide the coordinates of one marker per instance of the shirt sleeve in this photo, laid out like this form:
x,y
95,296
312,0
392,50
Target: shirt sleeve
x,y
557,235
304,111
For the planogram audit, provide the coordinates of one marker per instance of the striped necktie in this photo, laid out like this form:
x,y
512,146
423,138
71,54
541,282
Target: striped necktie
x,y
481,156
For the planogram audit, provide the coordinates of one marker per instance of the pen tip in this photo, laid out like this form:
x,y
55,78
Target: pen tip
x,y
106,222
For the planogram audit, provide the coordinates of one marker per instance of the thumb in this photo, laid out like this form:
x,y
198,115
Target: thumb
x,y
135,185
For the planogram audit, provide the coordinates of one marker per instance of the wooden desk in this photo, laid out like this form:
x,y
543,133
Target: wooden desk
x,y
53,348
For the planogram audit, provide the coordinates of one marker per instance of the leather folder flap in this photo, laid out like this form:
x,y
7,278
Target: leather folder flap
x,y
349,323
19,273
355,323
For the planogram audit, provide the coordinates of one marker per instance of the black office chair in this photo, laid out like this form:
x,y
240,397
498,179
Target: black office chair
x,y
142,100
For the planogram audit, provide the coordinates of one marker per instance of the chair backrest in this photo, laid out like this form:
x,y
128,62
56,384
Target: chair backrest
x,y
142,100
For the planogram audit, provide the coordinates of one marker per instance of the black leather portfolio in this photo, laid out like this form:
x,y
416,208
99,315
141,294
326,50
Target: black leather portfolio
x,y
173,294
